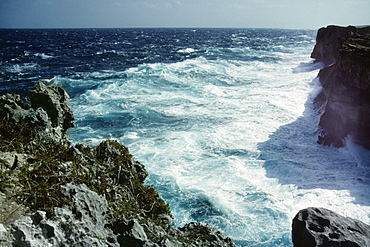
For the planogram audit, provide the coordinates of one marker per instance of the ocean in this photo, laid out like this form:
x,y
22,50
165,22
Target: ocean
x,y
221,118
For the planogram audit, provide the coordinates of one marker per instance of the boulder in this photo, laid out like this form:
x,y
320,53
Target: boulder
x,y
319,227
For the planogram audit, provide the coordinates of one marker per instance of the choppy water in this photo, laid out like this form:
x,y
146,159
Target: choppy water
x,y
221,118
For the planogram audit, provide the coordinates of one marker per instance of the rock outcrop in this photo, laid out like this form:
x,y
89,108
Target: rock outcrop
x,y
345,99
55,194
319,227
49,115
55,101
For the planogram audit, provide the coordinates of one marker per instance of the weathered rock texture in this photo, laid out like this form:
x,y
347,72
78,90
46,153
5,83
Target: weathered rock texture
x,y
319,227
55,101
50,112
345,99
55,194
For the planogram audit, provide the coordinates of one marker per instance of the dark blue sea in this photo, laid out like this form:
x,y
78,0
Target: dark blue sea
x,y
221,118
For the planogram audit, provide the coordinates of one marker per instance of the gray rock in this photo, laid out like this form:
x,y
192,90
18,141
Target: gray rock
x,y
55,101
4,237
319,227
82,224
49,117
14,109
133,235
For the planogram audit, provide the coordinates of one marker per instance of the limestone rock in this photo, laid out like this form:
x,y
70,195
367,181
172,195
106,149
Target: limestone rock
x,y
88,222
14,110
133,234
319,227
48,116
55,101
4,237
83,224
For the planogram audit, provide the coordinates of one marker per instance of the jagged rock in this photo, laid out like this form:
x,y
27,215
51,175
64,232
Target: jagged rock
x,y
4,237
319,227
48,116
82,224
345,99
55,101
88,222
16,111
133,235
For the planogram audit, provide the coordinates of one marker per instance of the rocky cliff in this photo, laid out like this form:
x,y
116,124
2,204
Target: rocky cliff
x,y
344,105
55,194
345,99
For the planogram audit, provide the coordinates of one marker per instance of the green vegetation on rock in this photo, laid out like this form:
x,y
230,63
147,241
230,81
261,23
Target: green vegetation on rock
x,y
41,172
109,170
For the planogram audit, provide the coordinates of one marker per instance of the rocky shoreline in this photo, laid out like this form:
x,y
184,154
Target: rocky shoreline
x,y
56,194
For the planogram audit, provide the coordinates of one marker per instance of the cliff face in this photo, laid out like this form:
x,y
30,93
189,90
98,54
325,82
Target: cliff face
x,y
345,100
344,105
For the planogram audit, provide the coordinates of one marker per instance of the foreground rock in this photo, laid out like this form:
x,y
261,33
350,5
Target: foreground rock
x,y
319,227
55,194
345,99
49,115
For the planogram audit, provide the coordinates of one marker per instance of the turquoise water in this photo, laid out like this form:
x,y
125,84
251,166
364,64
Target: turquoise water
x,y
221,118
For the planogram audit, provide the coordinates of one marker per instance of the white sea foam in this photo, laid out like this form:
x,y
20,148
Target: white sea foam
x,y
187,50
230,143
307,67
358,153
43,56
21,68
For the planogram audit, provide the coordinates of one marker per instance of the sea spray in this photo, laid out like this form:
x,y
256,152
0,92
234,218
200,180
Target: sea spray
x,y
221,118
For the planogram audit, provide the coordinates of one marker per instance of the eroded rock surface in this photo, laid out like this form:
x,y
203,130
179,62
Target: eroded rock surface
x,y
47,117
55,101
319,227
